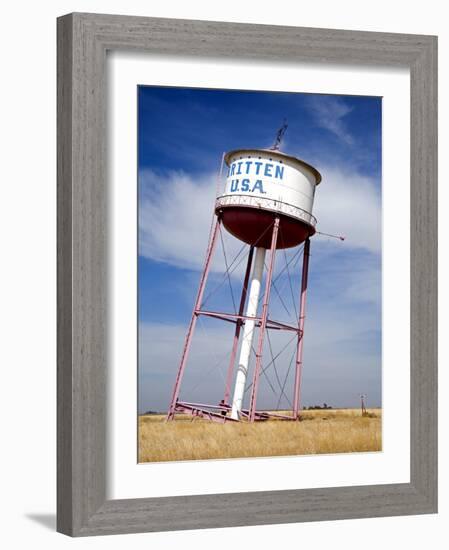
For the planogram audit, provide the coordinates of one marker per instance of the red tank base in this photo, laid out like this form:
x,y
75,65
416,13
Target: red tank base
x,y
253,227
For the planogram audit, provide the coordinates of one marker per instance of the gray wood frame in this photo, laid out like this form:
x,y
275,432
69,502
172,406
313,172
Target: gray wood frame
x,y
83,40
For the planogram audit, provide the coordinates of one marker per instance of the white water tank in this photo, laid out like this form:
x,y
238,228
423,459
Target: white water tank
x,y
263,183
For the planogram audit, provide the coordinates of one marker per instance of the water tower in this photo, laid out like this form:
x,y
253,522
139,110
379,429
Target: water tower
x,y
267,203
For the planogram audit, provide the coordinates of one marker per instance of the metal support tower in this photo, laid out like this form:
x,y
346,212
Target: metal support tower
x,y
249,322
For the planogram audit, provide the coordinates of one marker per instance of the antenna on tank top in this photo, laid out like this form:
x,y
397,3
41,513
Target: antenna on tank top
x,y
279,136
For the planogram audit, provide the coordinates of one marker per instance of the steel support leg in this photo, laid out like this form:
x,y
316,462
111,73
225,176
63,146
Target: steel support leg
x,y
263,323
302,316
191,329
238,327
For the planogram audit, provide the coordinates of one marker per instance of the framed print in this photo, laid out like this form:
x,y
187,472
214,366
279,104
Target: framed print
x,y
193,160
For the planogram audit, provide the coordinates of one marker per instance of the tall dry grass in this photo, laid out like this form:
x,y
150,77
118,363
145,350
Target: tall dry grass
x,y
319,432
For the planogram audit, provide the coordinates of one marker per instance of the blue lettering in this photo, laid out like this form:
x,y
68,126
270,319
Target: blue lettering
x,y
234,186
248,165
232,170
279,172
245,185
239,164
259,187
258,165
268,168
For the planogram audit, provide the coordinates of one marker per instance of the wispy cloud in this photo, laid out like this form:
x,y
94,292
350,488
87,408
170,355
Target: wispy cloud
x,y
173,223
329,112
349,204
175,216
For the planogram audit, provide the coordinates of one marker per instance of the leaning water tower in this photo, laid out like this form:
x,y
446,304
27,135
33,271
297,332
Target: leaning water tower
x,y
267,203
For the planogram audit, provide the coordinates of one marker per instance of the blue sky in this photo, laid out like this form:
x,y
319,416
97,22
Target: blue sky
x,y
181,138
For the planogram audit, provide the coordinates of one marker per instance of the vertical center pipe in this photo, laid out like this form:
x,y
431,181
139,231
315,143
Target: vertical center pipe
x,y
248,333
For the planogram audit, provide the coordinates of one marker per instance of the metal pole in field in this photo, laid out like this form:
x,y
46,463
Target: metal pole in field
x,y
238,326
191,329
248,333
263,322
302,316
362,403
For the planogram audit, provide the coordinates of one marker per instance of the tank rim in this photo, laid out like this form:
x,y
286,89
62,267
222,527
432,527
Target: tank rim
x,y
219,209
279,154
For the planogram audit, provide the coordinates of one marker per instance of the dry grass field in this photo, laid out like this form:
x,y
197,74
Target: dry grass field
x,y
319,432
